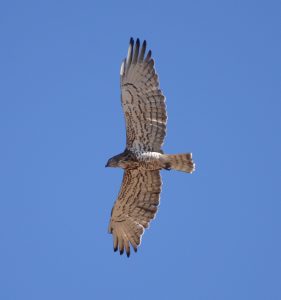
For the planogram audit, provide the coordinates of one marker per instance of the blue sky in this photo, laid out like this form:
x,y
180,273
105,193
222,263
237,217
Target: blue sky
x,y
217,233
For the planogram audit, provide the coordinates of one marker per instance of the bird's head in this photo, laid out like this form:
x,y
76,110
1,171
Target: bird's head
x,y
112,162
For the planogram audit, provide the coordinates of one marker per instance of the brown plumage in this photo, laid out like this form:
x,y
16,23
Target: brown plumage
x,y
146,118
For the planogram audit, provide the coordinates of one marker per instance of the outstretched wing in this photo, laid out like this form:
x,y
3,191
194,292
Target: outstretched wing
x,y
136,205
142,100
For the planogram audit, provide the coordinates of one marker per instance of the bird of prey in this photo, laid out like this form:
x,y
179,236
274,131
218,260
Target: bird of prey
x,y
145,114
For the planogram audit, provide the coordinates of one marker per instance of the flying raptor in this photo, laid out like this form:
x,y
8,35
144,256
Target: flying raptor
x,y
145,114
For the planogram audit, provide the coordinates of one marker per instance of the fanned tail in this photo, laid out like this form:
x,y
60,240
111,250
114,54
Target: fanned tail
x,y
179,162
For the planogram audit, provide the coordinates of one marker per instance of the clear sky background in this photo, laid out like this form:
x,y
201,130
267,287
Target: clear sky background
x,y
217,232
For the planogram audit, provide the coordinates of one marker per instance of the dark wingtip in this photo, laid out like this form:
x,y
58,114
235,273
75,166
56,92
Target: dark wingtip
x,y
148,56
128,254
138,41
131,41
115,249
121,252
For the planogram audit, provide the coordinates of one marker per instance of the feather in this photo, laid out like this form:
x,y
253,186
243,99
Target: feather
x,y
121,246
115,243
130,53
136,52
143,48
148,56
122,69
127,247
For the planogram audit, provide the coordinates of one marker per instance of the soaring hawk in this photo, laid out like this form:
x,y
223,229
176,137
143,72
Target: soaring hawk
x,y
146,118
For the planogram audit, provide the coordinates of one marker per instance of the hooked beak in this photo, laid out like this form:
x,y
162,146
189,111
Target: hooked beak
x,y
107,165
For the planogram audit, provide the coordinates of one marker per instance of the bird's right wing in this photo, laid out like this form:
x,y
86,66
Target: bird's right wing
x,y
135,207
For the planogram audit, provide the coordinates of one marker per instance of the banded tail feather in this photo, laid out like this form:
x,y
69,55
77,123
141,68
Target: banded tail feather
x,y
180,162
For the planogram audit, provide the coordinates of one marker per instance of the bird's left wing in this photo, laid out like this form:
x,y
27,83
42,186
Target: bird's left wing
x,y
135,207
142,100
